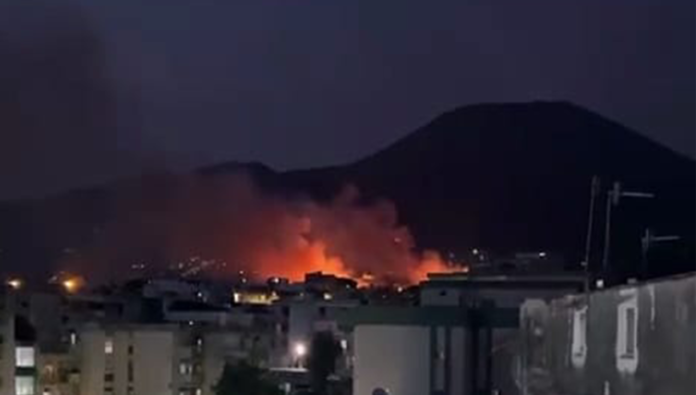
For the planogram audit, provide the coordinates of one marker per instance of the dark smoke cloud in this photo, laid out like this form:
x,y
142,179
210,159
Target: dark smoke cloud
x,y
62,120
228,219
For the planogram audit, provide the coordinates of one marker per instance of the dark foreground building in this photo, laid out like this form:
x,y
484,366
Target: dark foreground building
x,y
629,340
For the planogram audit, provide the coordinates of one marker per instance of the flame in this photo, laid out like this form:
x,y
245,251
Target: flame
x,y
313,257
233,223
294,264
432,262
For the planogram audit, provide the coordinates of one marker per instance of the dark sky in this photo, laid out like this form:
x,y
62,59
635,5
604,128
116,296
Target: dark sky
x,y
96,89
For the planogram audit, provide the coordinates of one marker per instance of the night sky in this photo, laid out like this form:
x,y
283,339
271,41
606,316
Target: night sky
x,y
91,90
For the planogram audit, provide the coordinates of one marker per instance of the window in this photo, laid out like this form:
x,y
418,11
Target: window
x,y
24,385
579,341
109,346
24,357
629,350
627,332
50,372
185,368
131,374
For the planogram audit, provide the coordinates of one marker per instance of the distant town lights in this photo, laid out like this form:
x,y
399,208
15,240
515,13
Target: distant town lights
x,y
71,285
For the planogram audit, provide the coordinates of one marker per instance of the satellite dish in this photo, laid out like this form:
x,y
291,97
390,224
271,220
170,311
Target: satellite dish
x,y
380,391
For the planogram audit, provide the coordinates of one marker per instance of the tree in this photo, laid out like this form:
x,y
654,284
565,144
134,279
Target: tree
x,y
245,379
322,360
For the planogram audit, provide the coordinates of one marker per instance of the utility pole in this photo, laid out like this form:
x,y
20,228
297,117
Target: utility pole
x,y
594,191
646,242
614,196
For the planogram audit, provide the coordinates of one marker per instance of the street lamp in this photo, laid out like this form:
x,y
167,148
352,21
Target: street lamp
x,y
299,351
613,197
15,283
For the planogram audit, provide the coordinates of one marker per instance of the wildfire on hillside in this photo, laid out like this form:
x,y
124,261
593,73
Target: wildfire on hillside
x,y
231,222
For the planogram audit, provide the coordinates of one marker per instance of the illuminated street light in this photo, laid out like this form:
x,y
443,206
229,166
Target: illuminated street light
x,y
300,350
15,283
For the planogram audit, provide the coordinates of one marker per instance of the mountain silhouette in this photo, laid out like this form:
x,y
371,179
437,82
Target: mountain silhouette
x,y
507,178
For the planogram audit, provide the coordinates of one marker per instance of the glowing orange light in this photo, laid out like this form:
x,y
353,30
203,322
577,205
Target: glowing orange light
x,y
72,284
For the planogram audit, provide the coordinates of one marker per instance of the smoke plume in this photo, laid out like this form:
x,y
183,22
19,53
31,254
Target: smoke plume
x,y
230,221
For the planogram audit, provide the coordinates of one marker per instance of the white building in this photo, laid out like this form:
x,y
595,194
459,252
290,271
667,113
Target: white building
x,y
7,350
454,289
160,359
301,319
425,350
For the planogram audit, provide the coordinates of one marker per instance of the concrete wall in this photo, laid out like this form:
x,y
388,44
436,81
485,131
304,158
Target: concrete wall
x,y
152,359
92,362
604,353
309,316
7,362
411,359
156,355
395,358
444,295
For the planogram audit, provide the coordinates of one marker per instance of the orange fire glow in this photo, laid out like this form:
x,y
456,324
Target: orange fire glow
x,y
313,257
229,220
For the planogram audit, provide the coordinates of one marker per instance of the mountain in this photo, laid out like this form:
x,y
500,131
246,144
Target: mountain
x,y
516,177
503,177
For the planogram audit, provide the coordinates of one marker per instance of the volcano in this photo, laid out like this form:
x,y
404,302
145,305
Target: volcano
x,y
502,177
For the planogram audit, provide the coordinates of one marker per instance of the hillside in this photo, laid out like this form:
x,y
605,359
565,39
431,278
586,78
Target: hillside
x,y
505,177
512,177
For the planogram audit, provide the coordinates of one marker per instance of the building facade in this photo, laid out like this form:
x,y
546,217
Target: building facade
x,y
7,349
431,350
633,339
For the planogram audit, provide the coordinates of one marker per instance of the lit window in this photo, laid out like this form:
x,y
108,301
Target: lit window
x,y
24,385
24,357
185,368
73,338
109,346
